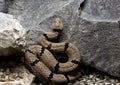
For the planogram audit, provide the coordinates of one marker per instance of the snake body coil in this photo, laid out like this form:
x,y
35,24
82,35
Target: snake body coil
x,y
43,64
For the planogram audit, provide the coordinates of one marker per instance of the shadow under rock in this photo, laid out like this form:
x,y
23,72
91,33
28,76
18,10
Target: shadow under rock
x,y
11,61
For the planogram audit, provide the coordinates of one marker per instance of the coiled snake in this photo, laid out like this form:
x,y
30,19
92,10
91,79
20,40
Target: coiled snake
x,y
43,64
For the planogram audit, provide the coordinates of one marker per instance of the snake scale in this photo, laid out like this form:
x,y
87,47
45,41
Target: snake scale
x,y
42,62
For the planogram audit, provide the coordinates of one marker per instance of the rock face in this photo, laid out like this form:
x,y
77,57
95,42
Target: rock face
x,y
5,4
107,10
99,44
2,5
95,32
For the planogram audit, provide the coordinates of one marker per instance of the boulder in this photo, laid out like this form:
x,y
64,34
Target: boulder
x,y
101,10
12,40
12,35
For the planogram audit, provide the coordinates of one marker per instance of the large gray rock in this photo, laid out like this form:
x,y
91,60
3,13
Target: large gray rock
x,y
95,32
99,44
97,10
5,4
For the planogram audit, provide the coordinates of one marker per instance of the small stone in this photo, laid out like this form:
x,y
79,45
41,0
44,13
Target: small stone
x,y
117,83
97,79
6,78
84,79
88,81
20,75
91,76
15,75
112,80
76,83
11,79
1,73
2,79
82,83
98,76
96,83
107,83
7,71
101,84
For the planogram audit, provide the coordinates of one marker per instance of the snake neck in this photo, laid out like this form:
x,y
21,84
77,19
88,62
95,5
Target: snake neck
x,y
53,36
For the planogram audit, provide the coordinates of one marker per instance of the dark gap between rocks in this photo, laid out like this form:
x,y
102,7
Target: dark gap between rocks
x,y
82,6
11,61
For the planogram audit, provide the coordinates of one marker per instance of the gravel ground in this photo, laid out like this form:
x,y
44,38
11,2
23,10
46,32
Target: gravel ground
x,y
89,77
6,75
96,79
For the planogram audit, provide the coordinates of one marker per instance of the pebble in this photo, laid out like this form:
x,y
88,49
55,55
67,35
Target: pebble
x,y
6,75
117,83
1,73
107,83
7,71
11,79
20,75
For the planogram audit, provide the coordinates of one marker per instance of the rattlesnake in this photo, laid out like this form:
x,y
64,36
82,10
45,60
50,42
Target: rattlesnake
x,y
43,64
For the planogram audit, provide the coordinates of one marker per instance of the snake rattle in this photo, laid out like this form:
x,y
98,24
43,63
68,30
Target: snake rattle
x,y
43,64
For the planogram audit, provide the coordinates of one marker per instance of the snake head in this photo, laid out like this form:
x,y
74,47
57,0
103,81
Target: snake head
x,y
57,24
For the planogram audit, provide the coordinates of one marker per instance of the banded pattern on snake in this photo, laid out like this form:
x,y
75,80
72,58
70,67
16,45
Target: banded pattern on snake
x,y
43,64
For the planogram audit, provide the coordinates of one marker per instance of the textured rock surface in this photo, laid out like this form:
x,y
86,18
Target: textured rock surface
x,y
10,30
99,44
5,4
97,10
12,34
2,5
97,40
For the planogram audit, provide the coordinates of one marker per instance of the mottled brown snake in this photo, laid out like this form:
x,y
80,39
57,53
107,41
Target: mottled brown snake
x,y
42,62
